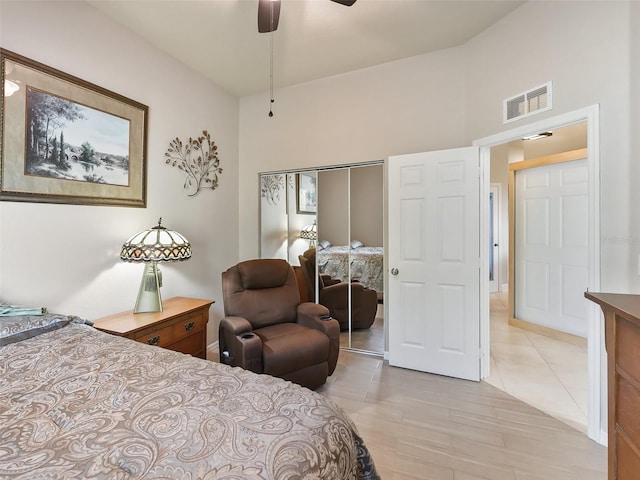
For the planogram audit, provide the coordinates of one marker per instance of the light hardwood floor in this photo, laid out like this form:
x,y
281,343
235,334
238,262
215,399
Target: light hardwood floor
x,y
422,426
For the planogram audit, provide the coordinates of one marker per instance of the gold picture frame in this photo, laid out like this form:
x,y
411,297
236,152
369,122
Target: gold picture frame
x,y
65,140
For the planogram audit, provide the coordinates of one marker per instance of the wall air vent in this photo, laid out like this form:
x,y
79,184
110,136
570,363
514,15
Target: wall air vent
x,y
531,102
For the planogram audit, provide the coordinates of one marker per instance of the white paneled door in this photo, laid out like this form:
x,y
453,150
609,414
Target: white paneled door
x,y
434,264
551,250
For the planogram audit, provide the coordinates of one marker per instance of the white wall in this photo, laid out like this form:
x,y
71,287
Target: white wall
x,y
65,257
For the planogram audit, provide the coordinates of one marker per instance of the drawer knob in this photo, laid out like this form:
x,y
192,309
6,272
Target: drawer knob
x,y
154,340
189,326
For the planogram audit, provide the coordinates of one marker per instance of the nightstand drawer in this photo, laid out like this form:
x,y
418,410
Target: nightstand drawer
x,y
191,345
160,336
187,325
170,332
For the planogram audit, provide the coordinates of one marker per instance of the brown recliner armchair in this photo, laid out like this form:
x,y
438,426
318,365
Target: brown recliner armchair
x,y
334,295
267,330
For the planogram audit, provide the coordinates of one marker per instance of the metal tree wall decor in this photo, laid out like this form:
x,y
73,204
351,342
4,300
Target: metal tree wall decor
x,y
270,188
198,158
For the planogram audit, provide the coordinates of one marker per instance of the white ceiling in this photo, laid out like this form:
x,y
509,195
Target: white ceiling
x,y
315,38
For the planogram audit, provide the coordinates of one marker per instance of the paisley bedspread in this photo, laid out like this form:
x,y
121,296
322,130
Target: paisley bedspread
x,y
76,403
366,264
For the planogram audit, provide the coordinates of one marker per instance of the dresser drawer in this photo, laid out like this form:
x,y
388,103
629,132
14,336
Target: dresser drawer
x,y
628,461
628,400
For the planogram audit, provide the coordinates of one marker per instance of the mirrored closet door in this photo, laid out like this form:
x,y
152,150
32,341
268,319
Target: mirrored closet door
x,y
287,214
367,254
330,222
332,251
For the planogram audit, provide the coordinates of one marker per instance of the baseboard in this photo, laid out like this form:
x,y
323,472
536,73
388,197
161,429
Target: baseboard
x,y
549,332
504,287
604,438
212,349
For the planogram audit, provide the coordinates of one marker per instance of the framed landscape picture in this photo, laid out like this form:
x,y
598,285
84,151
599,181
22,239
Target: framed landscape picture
x,y
65,140
306,193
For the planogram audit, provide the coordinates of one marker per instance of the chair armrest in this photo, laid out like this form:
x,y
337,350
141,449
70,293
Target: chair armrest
x,y
335,294
316,316
327,281
235,325
239,346
310,310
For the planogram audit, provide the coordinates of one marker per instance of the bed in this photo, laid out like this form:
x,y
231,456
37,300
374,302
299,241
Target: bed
x,y
77,403
367,263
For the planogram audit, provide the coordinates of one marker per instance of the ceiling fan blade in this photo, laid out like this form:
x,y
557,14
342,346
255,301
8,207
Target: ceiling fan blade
x,y
268,15
348,3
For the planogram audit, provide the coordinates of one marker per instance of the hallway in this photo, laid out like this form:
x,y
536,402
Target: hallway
x,y
546,373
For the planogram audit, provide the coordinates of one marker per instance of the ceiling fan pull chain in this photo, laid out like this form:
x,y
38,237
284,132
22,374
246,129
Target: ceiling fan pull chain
x,y
271,72
271,100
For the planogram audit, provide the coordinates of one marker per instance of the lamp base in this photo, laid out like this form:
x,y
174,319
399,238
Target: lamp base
x,y
149,298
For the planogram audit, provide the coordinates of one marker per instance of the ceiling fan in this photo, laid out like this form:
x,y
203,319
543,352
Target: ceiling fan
x,y
269,13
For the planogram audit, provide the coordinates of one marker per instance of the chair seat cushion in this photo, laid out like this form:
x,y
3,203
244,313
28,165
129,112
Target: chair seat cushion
x,y
287,347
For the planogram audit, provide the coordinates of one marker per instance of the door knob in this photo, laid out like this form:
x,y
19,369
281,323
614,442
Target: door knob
x,y
394,271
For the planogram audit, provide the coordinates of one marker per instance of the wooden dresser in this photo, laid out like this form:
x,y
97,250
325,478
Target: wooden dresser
x,y
181,326
622,337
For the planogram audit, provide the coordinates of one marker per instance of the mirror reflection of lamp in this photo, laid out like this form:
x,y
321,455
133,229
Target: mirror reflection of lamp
x,y
158,244
310,232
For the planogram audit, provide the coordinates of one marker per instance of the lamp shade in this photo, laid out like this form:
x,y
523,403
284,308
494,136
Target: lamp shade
x,y
158,244
309,232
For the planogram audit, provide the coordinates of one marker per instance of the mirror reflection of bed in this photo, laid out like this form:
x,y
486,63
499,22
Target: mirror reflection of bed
x,y
348,224
358,263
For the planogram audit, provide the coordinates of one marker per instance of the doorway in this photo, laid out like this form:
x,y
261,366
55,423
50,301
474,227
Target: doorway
x,y
533,356
590,116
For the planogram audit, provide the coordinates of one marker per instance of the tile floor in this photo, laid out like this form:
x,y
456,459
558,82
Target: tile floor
x,y
546,373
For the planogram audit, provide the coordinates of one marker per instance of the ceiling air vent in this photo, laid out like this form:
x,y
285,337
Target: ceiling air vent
x,y
529,103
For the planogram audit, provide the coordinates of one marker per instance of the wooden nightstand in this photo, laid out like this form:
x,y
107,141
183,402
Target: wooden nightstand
x,y
181,326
